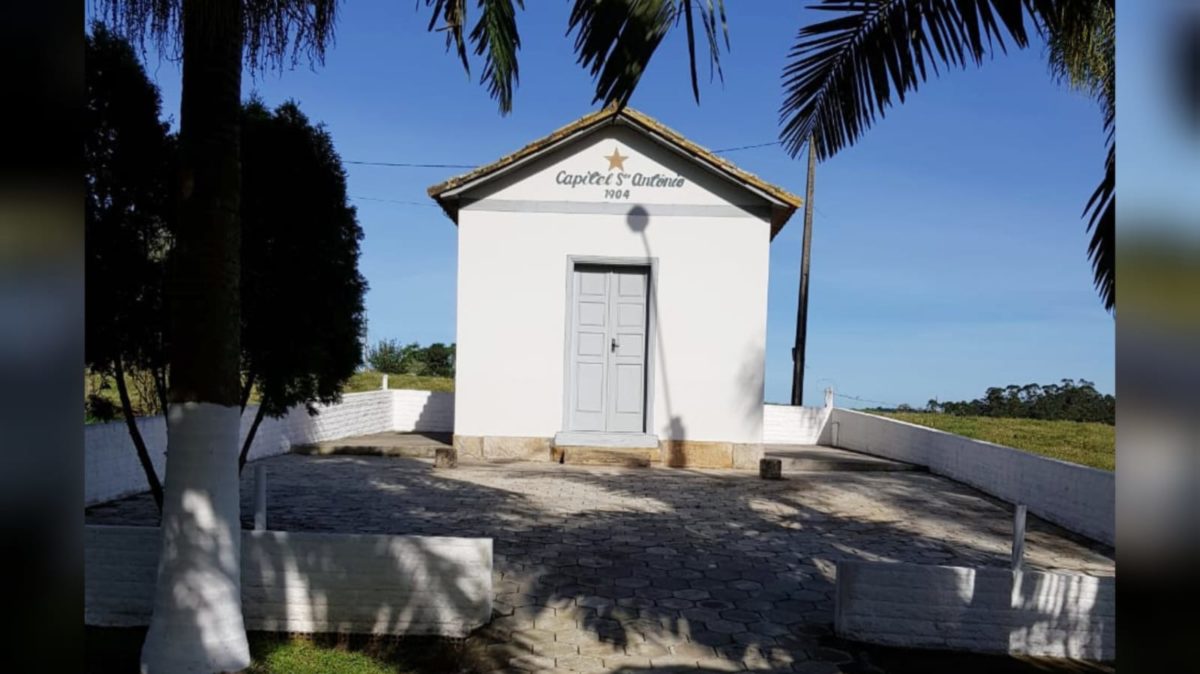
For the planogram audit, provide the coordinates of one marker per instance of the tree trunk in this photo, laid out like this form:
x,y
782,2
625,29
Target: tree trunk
x,y
247,388
258,417
139,444
197,623
160,388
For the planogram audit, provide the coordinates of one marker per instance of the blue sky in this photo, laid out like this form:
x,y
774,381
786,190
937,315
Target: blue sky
x,y
948,249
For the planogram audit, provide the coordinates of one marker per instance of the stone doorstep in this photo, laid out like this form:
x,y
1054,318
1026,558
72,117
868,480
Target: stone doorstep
x,y
607,456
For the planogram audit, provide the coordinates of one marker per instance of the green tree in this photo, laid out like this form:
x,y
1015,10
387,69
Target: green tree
x,y
127,156
302,295
389,357
439,360
1066,401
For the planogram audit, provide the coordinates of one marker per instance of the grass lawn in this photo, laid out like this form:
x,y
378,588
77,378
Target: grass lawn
x,y
108,650
370,381
117,650
1090,444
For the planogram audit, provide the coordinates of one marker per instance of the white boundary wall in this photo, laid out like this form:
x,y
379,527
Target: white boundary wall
x,y
310,582
788,425
977,610
112,470
422,411
1079,498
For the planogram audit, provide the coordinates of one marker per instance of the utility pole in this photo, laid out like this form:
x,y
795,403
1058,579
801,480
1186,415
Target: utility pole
x,y
802,308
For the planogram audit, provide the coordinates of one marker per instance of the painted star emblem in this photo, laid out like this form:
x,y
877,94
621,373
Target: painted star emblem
x,y
616,161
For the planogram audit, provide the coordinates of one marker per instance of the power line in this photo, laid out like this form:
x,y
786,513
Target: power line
x,y
394,201
864,400
396,164
749,147
401,164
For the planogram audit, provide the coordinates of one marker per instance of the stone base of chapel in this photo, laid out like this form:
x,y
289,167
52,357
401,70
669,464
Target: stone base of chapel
x,y
672,453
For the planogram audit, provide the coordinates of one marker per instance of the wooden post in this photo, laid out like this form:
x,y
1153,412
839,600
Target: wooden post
x,y
383,383
260,497
802,308
1018,544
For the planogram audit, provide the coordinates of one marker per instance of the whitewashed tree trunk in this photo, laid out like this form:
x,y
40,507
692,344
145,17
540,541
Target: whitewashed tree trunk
x,y
197,624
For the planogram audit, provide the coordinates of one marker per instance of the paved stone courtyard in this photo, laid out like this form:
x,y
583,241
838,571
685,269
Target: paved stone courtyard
x,y
626,570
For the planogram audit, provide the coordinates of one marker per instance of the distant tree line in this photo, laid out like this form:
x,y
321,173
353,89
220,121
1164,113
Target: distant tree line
x,y
391,357
1064,401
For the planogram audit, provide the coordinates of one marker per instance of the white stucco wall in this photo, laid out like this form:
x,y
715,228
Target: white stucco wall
x,y
711,292
790,425
310,582
977,609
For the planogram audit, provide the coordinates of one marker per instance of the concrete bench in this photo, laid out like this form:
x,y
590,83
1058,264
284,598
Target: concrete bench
x,y
310,582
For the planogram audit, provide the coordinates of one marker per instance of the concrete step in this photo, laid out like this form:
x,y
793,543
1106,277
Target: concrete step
x,y
407,445
608,456
804,458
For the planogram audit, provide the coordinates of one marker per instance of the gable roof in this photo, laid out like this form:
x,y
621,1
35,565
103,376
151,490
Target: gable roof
x,y
783,203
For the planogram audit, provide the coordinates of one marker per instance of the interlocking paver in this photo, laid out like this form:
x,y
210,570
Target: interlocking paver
x,y
598,568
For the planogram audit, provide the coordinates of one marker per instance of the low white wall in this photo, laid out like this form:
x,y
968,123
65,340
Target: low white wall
x,y
310,582
1079,498
422,411
788,425
977,610
111,468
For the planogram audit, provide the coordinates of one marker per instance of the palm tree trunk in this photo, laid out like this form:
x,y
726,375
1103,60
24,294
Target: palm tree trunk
x,y
197,623
139,444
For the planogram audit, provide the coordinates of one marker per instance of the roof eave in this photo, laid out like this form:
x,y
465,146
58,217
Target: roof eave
x,y
783,203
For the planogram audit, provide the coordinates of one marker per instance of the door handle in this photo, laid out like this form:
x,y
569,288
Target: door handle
x,y
614,344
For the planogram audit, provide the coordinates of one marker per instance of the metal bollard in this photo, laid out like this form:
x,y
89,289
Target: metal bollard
x,y
260,497
1018,543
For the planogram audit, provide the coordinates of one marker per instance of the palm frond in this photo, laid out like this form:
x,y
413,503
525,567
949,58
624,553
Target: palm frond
x,y
494,37
1080,40
1102,223
843,73
276,32
453,15
1081,46
615,39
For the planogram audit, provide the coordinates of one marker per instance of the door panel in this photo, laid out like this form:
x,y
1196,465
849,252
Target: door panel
x,y
627,356
608,355
589,358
